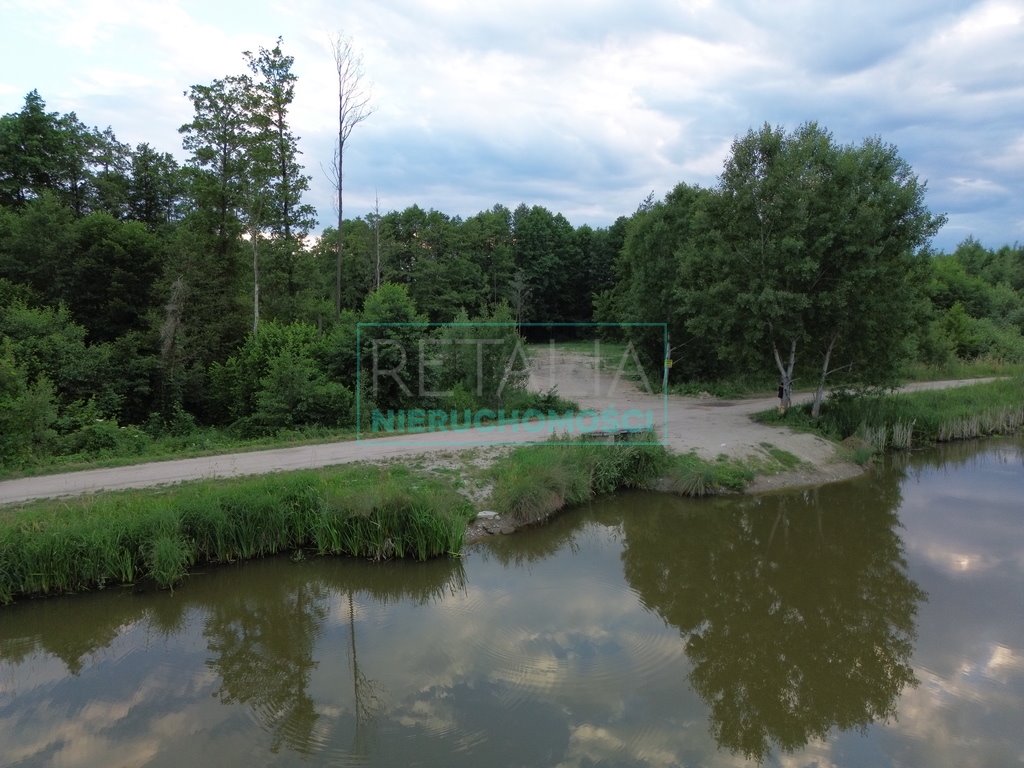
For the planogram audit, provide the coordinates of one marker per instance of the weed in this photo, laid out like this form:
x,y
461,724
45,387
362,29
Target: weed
x,y
115,538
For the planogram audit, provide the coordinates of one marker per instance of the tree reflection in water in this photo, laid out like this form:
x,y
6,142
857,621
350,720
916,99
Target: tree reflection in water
x,y
797,611
262,646
263,641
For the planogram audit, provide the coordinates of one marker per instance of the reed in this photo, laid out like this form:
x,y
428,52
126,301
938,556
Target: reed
x,y
917,418
118,538
534,481
692,475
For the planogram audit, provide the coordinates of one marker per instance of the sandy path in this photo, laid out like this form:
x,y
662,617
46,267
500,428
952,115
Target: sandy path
x,y
708,426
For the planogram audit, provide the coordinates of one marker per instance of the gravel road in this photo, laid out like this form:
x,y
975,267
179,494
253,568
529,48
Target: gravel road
x,y
709,426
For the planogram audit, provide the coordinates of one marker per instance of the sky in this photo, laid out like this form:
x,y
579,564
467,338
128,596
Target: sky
x,y
582,106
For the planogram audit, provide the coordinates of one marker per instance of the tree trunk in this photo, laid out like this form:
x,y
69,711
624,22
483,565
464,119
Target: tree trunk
x,y
785,374
341,218
255,282
376,239
819,396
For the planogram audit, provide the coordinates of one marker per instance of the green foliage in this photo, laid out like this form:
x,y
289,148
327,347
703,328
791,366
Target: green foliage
x,y
277,381
915,418
117,538
691,475
483,361
27,410
295,392
535,481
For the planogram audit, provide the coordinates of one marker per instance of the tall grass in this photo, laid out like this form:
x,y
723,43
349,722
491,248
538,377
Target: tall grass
x,y
535,481
691,475
905,419
371,512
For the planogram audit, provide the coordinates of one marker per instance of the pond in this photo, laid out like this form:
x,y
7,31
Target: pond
x,y
870,623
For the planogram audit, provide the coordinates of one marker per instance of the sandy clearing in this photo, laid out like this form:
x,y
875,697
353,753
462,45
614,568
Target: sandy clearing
x,y
709,426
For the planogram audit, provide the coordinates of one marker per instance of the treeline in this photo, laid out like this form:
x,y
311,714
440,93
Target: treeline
x,y
809,262
141,297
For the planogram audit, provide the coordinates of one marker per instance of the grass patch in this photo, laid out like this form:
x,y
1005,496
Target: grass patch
x,y
119,538
534,481
878,422
691,475
963,369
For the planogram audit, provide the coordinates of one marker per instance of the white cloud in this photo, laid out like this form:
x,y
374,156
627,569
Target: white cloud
x,y
581,106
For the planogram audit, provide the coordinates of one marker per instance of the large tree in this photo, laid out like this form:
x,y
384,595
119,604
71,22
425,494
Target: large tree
x,y
275,154
818,247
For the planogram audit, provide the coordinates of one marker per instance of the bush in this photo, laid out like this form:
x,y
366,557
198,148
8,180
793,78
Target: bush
x,y
27,412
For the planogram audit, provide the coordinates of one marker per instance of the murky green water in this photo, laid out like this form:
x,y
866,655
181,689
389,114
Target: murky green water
x,y
645,630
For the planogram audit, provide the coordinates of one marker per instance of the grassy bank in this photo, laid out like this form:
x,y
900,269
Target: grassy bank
x,y
534,481
120,538
691,475
908,419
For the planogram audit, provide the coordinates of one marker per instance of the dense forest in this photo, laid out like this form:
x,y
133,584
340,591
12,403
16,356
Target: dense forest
x,y
141,297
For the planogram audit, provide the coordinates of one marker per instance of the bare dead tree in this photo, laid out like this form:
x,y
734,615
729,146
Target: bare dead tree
x,y
353,108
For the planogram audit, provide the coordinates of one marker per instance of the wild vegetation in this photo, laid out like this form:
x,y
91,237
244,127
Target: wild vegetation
x,y
535,481
158,535
146,304
878,420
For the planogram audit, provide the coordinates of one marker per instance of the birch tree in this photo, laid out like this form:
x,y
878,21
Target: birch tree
x,y
817,250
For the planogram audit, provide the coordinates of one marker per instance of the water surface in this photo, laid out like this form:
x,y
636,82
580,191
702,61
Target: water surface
x,y
875,622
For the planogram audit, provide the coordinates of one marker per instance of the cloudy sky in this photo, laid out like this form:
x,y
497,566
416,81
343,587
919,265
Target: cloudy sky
x,y
583,106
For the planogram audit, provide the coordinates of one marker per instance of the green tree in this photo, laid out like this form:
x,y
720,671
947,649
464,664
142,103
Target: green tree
x,y
27,410
31,144
389,341
662,243
109,282
487,240
155,187
546,250
818,247
287,218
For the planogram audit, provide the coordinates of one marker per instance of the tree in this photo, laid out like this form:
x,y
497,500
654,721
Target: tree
x,y
815,246
661,243
218,139
275,150
207,252
547,252
155,187
26,409
30,145
487,240
353,108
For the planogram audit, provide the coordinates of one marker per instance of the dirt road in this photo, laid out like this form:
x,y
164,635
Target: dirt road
x,y
707,425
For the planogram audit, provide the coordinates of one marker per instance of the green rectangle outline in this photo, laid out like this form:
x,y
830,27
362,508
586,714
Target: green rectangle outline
x,y
359,354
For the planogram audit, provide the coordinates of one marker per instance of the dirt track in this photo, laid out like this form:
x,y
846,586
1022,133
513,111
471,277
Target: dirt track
x,y
707,425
